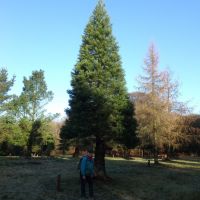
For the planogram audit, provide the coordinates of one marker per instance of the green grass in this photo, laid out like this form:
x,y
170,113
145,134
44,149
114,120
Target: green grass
x,y
131,180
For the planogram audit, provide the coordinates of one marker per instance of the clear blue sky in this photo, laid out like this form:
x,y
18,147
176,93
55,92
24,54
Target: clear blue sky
x,y
46,34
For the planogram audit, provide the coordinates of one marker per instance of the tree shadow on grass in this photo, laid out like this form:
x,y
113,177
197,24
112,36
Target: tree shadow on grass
x,y
131,180
134,180
193,164
156,182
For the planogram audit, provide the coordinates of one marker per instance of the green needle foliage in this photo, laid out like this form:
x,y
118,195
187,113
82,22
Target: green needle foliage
x,y
98,98
35,96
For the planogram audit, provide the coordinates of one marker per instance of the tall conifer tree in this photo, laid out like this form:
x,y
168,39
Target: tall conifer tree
x,y
98,98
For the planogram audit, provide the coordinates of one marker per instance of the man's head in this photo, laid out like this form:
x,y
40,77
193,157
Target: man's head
x,y
84,151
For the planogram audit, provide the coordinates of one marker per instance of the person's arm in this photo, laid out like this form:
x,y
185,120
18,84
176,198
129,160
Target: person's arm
x,y
92,169
83,165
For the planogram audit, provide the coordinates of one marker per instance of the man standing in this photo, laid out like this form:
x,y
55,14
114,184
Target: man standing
x,y
87,173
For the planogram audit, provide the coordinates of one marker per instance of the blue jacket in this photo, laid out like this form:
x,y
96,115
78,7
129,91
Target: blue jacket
x,y
86,162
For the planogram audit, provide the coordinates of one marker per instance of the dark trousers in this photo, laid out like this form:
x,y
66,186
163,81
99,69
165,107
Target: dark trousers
x,y
89,180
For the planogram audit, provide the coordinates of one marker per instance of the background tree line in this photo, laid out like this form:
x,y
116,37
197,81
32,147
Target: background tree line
x,y
25,128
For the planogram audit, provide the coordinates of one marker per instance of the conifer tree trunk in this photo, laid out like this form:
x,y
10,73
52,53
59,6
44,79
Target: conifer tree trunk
x,y
100,158
155,148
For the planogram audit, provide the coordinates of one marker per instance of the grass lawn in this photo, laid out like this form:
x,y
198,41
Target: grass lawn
x,y
23,179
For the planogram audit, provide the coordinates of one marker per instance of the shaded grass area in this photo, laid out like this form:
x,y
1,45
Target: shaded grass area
x,y
131,180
